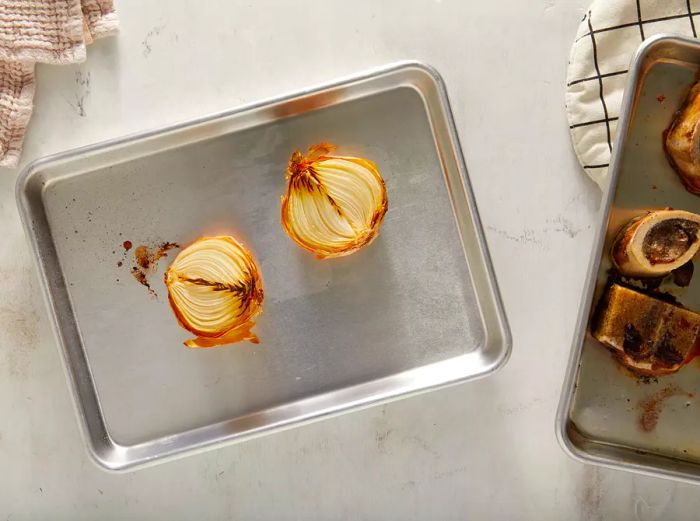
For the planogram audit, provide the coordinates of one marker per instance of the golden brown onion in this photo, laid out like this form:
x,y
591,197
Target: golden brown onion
x,y
215,291
334,204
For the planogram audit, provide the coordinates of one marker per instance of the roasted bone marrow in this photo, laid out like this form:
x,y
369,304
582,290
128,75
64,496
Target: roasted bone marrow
x,y
657,243
682,141
647,335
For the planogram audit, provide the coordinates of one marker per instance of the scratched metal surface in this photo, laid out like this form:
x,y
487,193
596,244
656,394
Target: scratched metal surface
x,y
415,310
601,414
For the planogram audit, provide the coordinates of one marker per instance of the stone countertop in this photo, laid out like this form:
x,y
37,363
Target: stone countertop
x,y
484,450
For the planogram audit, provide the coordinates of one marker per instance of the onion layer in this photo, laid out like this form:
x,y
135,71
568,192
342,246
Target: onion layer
x,y
334,205
215,291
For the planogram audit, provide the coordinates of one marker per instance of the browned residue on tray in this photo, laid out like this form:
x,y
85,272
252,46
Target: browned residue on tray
x,y
142,257
146,261
643,378
141,277
660,98
147,257
650,407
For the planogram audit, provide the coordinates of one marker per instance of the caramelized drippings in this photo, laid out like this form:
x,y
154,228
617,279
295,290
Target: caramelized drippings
x,y
651,406
242,333
146,260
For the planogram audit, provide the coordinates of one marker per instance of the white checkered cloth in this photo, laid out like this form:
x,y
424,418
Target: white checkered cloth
x,y
607,38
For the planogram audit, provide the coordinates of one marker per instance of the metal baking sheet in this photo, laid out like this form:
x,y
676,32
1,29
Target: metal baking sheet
x,y
602,406
416,310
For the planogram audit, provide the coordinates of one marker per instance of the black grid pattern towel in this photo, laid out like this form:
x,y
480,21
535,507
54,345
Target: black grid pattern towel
x,y
606,40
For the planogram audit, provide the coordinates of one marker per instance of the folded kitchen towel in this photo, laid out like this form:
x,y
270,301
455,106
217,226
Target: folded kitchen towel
x,y
607,37
44,31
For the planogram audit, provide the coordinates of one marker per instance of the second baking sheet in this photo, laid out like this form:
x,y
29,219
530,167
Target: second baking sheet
x,y
416,309
607,415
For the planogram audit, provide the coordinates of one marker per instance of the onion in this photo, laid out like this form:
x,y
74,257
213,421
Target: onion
x,y
334,205
215,291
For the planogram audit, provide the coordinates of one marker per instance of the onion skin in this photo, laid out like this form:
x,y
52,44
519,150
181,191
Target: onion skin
x,y
215,291
334,205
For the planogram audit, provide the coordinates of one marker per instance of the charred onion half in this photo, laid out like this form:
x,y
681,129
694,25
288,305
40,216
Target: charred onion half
x,y
334,205
215,291
657,243
682,141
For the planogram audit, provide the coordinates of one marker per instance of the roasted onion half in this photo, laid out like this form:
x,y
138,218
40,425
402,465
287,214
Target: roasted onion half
x,y
334,205
657,243
682,141
215,291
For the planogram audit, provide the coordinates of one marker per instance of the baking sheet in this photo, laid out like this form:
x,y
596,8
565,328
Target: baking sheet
x,y
606,415
417,309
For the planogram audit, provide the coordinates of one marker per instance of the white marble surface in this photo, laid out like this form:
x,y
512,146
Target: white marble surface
x,y
484,450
